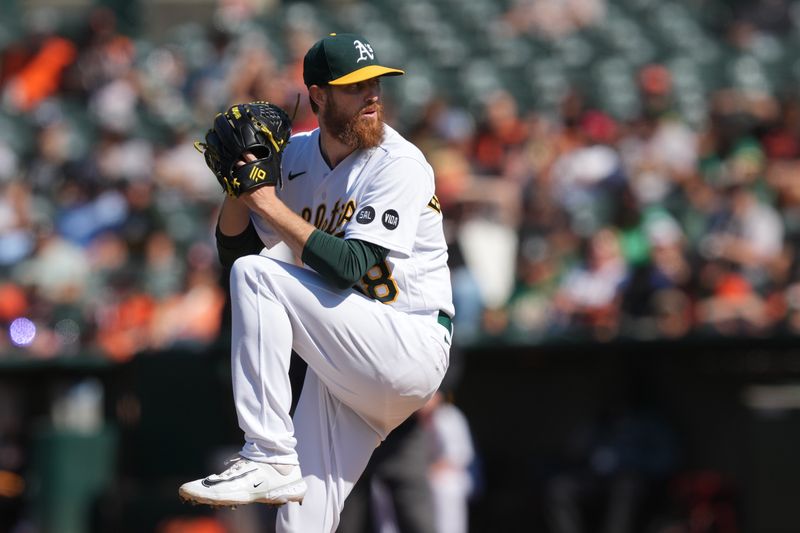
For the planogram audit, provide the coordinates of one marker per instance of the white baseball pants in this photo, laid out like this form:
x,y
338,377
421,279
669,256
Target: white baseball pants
x,y
369,368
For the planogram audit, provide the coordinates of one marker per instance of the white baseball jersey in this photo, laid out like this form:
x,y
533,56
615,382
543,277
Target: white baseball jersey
x,y
385,196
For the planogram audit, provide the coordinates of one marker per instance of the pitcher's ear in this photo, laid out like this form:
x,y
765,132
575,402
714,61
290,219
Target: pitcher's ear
x,y
318,94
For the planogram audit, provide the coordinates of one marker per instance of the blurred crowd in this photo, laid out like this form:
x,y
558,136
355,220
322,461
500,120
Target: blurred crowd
x,y
573,224
642,230
107,211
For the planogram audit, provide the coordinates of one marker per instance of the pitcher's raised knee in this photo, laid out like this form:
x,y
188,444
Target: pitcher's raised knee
x,y
250,269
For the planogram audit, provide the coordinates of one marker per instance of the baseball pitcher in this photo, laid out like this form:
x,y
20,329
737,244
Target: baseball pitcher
x,y
370,308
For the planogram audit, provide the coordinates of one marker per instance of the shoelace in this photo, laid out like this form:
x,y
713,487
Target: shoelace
x,y
238,462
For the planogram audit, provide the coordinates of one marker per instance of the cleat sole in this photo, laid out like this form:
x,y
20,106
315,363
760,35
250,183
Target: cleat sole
x,y
282,495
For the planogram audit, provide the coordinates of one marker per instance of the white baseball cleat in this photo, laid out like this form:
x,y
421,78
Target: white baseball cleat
x,y
247,481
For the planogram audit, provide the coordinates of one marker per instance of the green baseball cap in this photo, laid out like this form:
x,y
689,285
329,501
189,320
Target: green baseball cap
x,y
341,59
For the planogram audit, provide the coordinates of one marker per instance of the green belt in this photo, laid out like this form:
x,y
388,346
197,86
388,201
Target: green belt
x,y
446,321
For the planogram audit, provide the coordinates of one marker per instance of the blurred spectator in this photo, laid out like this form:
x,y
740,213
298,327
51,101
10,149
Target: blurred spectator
x,y
105,55
656,300
780,140
443,124
9,162
81,218
499,136
393,494
164,270
178,168
589,295
143,216
123,319
454,179
16,234
452,457
120,157
37,67
191,316
108,256
531,307
658,151
257,75
733,306
548,246
57,268
55,151
746,232
489,249
588,177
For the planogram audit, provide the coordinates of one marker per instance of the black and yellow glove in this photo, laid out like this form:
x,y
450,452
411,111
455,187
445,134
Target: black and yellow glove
x,y
260,128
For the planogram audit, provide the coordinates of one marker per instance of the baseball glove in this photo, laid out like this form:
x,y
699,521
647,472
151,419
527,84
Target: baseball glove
x,y
261,128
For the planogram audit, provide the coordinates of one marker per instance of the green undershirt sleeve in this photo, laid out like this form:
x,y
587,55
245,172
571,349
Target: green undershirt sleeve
x,y
232,247
341,261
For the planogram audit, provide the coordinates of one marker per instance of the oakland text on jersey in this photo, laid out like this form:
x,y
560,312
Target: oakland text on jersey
x,y
332,222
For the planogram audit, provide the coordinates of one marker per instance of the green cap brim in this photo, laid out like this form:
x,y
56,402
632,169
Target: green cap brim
x,y
366,73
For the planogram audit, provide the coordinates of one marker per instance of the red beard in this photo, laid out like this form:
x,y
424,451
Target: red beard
x,y
354,131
